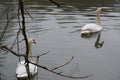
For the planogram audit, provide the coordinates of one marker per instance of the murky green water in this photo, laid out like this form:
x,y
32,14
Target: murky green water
x,y
57,30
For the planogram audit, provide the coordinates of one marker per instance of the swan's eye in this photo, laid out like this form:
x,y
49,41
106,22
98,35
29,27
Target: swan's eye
x,y
34,41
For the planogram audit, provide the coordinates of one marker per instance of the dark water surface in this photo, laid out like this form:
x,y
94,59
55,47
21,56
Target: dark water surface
x,y
58,30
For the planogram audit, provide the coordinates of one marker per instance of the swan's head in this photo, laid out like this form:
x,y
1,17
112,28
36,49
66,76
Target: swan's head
x,y
31,41
99,10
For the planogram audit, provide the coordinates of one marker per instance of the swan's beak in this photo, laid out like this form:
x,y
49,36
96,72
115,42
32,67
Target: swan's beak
x,y
34,41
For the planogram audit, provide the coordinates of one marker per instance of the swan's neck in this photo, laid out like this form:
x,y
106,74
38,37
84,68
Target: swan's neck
x,y
30,51
98,19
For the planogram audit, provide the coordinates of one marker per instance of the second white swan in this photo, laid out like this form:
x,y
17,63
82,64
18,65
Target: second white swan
x,y
91,27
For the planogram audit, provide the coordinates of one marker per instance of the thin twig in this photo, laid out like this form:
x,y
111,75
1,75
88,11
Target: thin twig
x,y
14,42
6,26
40,54
43,53
6,48
5,29
6,11
63,64
28,13
58,5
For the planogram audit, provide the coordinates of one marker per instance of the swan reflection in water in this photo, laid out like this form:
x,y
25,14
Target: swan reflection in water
x,y
98,43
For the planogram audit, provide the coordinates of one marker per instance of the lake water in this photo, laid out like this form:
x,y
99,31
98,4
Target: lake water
x,y
57,29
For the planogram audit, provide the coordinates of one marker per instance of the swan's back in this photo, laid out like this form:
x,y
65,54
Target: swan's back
x,y
21,69
91,28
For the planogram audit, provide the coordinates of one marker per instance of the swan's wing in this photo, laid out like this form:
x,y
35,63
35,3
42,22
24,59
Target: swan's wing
x,y
91,28
33,69
21,71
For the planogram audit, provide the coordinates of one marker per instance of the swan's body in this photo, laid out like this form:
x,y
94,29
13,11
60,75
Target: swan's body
x,y
91,27
21,71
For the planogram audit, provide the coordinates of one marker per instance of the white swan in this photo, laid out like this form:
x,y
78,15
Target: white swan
x,y
91,27
21,69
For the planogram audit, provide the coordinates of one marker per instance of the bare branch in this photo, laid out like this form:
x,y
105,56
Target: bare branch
x,y
40,54
16,39
28,13
43,67
21,6
63,64
6,48
5,28
43,53
58,5
23,26
6,11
